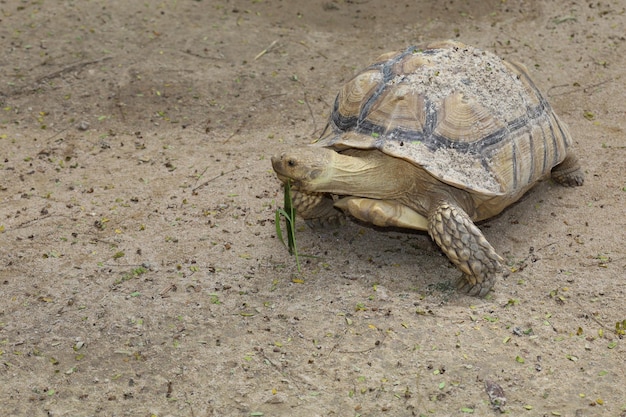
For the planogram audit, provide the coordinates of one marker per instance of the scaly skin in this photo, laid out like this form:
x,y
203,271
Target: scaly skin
x,y
464,244
568,173
317,209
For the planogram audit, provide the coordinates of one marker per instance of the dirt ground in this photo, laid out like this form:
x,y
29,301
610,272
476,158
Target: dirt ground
x,y
140,272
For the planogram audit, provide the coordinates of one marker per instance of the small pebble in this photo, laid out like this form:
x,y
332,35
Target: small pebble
x,y
82,126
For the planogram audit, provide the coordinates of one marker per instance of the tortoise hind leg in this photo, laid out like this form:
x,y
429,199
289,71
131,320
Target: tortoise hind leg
x,y
568,172
382,212
464,244
317,209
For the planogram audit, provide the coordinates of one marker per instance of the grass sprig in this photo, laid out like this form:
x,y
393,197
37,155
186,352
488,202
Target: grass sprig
x,y
289,213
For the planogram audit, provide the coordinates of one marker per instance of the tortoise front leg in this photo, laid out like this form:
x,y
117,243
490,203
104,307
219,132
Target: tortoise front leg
x,y
317,209
464,244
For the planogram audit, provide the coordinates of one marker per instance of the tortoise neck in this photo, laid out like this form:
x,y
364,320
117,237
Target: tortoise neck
x,y
367,173
373,174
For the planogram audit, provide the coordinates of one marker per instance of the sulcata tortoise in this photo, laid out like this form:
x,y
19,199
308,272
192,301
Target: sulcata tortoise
x,y
435,139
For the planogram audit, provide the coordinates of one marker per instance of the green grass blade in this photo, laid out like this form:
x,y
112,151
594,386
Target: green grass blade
x,y
279,232
289,213
290,219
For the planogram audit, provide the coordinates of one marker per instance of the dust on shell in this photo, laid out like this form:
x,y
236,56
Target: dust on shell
x,y
477,74
463,170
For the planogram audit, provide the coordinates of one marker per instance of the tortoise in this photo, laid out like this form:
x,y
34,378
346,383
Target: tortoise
x,y
435,139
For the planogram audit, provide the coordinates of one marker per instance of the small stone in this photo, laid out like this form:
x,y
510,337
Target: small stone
x,y
82,125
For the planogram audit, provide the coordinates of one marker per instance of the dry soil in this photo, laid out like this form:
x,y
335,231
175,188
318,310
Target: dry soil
x,y
140,272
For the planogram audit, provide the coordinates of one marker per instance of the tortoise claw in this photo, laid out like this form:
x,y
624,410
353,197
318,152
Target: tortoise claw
x,y
476,289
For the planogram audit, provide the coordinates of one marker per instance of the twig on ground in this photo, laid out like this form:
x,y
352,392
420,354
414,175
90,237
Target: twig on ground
x,y
306,101
204,184
585,89
70,68
266,50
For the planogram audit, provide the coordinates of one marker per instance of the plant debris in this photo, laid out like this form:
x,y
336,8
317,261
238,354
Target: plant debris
x,y
496,395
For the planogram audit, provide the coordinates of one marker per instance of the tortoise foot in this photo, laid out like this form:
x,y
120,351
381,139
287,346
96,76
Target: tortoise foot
x,y
317,209
568,173
326,222
478,289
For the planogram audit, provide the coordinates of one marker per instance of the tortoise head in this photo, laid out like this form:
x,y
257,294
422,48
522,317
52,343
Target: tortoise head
x,y
308,168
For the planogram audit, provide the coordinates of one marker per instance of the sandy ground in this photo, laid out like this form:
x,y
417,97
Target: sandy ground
x,y
140,273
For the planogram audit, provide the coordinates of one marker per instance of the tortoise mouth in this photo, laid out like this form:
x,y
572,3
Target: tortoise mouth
x,y
281,166
278,164
283,178
307,168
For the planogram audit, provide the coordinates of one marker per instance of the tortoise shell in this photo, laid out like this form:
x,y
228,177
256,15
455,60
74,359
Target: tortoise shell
x,y
464,115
